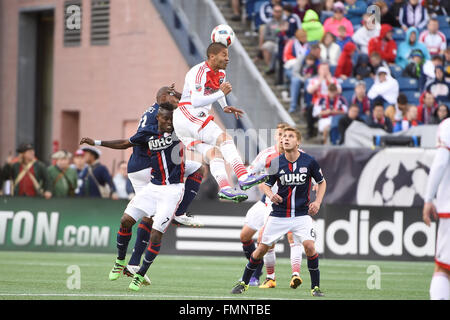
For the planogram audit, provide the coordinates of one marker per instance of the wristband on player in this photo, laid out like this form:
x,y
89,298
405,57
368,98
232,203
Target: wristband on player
x,y
98,142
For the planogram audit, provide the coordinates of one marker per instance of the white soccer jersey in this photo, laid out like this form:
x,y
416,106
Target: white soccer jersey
x,y
434,42
262,160
202,87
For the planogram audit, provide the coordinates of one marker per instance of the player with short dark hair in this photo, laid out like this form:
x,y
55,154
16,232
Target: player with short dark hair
x,y
291,208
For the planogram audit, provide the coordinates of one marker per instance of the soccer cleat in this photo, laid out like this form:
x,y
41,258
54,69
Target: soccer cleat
x,y
232,195
268,283
254,282
131,270
137,282
115,272
187,219
252,180
295,281
316,292
239,288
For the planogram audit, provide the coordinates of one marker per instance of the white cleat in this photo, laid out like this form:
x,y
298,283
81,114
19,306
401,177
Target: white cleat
x,y
187,220
131,270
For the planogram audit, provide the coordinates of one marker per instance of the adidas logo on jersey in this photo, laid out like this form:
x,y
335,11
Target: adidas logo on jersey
x,y
293,179
155,144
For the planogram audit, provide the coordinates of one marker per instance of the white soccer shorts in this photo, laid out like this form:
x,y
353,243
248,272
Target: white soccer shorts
x,y
140,179
257,215
276,227
442,257
157,201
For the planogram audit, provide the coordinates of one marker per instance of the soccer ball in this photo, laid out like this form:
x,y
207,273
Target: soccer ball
x,y
223,34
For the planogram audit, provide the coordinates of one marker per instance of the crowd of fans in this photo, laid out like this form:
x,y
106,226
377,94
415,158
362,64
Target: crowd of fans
x,y
331,56
78,175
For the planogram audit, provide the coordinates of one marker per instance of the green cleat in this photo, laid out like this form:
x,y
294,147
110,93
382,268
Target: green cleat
x,y
136,283
239,288
316,292
114,274
232,195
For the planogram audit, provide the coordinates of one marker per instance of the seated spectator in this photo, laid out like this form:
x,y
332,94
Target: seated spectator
x,y
301,7
439,88
312,26
394,10
447,64
390,113
434,40
293,20
437,7
412,14
410,43
426,108
414,69
378,119
345,121
123,185
355,10
409,121
265,13
97,181
362,69
367,31
342,39
344,68
360,99
442,113
29,175
326,11
384,44
330,105
268,41
332,24
428,71
307,71
329,50
387,16
63,178
376,62
385,87
401,108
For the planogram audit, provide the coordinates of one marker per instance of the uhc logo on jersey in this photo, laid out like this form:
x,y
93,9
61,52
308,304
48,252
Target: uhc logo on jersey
x,y
155,144
293,179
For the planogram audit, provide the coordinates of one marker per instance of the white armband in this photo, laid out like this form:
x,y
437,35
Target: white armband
x,y
98,142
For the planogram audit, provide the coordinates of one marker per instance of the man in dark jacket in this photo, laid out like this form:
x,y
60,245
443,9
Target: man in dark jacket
x,y
378,119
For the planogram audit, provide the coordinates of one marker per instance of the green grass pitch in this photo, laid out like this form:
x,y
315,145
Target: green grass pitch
x,y
44,276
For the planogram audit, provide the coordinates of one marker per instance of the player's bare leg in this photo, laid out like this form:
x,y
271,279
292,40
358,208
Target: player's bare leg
x,y
440,284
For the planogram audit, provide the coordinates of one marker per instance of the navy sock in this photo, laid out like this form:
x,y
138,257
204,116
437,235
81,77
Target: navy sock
x,y
248,248
150,255
191,187
313,267
250,269
258,271
142,240
123,238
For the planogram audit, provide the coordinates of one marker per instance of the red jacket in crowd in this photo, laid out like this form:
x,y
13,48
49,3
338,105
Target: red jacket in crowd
x,y
386,48
345,64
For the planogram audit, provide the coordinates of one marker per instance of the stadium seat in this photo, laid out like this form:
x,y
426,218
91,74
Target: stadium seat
x,y
348,94
348,84
413,97
332,69
396,71
398,35
408,83
443,22
369,82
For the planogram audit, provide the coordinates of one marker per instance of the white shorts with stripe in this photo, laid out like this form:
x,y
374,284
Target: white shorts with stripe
x,y
257,215
196,128
442,257
276,227
157,201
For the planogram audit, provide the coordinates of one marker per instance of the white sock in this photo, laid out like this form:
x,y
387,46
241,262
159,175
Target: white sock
x,y
439,287
217,168
296,257
269,262
231,156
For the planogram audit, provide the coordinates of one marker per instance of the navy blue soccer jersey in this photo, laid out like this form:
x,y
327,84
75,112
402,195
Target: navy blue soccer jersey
x,y
148,124
294,184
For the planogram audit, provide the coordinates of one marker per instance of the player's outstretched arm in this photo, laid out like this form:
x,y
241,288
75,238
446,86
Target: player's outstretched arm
x,y
112,144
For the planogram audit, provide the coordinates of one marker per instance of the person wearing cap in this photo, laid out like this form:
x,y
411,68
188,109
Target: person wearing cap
x,y
414,69
63,178
312,25
96,179
384,87
407,46
29,175
332,24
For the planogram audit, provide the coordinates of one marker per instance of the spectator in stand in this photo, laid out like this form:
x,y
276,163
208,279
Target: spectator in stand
x,y
236,8
414,69
265,13
326,10
428,71
387,16
434,40
63,178
390,113
312,26
384,44
327,107
378,119
342,39
367,31
329,49
412,14
437,7
29,175
410,43
332,24
353,114
362,69
301,7
355,10
442,113
79,163
97,181
376,62
401,108
385,87
409,121
123,185
439,88
426,108
394,10
344,68
293,20
268,42
360,99
447,64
